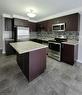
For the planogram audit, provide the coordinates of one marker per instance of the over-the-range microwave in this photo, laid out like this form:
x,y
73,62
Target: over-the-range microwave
x,y
58,27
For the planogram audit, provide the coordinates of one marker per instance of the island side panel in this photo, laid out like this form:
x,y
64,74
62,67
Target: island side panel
x,y
37,63
23,62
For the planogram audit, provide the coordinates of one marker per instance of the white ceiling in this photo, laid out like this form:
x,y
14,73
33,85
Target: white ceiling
x,y
44,8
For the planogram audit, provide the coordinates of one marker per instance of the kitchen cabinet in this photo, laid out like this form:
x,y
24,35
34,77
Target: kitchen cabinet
x,y
31,60
32,66
15,23
8,49
44,26
38,27
8,24
24,23
69,53
41,26
20,22
71,21
32,26
49,25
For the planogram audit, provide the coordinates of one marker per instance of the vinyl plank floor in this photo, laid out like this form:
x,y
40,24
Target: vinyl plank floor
x,y
58,79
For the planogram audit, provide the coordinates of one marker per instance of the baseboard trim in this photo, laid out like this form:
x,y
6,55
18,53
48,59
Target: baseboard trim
x,y
79,61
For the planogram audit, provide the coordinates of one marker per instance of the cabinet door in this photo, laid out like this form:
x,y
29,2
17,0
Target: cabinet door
x,y
8,24
44,26
20,22
49,25
38,27
25,23
41,26
8,48
23,62
32,27
37,64
67,53
72,22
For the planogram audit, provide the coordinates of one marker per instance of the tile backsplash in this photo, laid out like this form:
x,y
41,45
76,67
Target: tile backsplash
x,y
71,35
33,35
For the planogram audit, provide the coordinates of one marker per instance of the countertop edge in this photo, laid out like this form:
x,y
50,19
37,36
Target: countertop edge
x,y
30,50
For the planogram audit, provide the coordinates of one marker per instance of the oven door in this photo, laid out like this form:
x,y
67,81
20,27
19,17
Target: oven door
x,y
54,50
54,46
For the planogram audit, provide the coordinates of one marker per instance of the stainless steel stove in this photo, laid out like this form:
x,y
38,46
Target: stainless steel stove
x,y
55,48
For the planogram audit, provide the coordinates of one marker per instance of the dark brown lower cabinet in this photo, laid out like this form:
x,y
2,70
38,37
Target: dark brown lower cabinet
x,y
69,53
8,48
32,63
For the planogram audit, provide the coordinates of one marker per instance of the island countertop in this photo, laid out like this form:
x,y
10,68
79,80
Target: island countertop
x,y
27,46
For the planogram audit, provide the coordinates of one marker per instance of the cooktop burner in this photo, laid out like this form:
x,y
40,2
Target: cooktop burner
x,y
58,40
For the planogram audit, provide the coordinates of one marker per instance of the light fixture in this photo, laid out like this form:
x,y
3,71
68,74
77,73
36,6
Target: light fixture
x,y
31,13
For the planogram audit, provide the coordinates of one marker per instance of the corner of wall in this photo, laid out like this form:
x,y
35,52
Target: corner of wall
x,y
79,61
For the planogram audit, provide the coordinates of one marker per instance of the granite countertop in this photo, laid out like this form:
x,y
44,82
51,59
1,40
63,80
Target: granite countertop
x,y
47,39
27,46
71,42
44,39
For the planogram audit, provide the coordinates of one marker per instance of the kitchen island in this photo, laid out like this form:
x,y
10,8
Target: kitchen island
x,y
31,58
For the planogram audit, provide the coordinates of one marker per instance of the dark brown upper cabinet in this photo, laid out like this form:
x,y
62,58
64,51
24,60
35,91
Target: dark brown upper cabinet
x,y
20,22
49,24
42,26
71,21
8,24
38,27
32,26
24,23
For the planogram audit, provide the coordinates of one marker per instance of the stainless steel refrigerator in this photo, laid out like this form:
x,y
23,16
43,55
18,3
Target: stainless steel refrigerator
x,y
21,34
